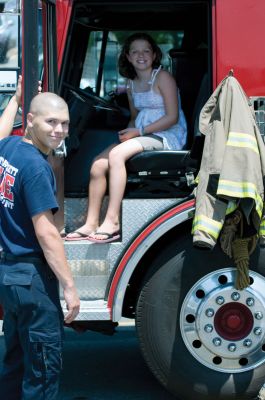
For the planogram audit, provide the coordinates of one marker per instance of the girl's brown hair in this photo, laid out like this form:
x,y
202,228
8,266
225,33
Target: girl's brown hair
x,y
125,67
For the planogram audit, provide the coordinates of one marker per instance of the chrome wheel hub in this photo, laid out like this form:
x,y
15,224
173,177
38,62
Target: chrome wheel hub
x,y
224,328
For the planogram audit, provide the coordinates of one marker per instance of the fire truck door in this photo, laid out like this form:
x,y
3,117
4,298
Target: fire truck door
x,y
238,43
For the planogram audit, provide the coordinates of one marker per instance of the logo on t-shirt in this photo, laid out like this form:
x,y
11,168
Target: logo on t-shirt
x,y
7,180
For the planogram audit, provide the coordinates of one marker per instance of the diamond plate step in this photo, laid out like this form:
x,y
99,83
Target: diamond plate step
x,y
92,263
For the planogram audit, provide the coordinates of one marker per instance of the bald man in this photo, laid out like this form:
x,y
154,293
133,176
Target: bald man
x,y
33,257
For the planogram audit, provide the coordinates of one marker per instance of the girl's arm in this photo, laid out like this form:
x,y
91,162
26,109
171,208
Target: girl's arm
x,y
133,111
130,132
167,87
8,117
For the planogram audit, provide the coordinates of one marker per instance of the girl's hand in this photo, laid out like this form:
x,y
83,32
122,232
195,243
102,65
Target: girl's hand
x,y
128,133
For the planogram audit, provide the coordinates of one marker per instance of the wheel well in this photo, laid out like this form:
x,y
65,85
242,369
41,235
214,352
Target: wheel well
x,y
144,265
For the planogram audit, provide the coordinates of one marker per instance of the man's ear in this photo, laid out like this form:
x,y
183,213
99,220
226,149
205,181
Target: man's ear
x,y
29,119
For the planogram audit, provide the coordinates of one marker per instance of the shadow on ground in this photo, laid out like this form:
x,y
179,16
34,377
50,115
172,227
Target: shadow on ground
x,y
99,367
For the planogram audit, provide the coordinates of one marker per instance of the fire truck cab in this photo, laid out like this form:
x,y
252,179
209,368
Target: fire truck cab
x,y
200,337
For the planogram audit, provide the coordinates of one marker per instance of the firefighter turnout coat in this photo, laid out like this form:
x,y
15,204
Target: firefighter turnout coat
x,y
233,164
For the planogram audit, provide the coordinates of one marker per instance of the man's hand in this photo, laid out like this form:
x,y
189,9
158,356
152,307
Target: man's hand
x,y
128,133
39,87
72,304
18,94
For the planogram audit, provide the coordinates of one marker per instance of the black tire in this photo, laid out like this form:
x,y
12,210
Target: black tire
x,y
172,275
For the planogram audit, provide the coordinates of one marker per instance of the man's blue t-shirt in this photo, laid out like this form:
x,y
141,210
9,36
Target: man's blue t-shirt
x,y
27,188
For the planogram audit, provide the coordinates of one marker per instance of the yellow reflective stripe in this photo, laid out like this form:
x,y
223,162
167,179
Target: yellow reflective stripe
x,y
236,189
262,228
237,139
205,224
240,190
259,205
232,206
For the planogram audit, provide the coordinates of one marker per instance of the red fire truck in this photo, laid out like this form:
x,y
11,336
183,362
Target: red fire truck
x,y
202,338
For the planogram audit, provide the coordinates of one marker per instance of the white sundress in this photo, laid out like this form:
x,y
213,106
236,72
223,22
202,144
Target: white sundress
x,y
151,108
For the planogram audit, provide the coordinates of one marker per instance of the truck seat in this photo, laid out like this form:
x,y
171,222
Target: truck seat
x,y
160,174
157,162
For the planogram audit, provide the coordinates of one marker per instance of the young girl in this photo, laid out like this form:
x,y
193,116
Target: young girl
x,y
157,123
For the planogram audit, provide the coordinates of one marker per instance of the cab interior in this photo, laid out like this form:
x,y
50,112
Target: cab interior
x,y
96,93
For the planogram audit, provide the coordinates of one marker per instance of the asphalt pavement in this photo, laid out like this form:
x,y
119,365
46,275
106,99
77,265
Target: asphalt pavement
x,y
100,367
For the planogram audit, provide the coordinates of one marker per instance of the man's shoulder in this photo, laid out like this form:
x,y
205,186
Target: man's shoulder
x,y
34,160
28,158
10,139
31,154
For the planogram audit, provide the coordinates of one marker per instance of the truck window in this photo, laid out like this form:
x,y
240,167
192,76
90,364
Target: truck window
x,y
111,80
89,73
9,40
10,52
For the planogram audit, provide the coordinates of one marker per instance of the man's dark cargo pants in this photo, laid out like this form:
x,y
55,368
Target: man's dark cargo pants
x,y
33,329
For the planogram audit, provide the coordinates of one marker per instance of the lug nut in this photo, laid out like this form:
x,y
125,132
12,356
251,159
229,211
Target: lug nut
x,y
220,300
208,328
247,342
258,331
209,312
232,347
235,296
217,341
250,301
258,315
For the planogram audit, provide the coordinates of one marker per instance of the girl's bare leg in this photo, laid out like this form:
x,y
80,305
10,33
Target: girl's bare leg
x,y
96,191
117,182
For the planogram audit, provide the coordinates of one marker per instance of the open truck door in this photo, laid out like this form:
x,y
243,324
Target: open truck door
x,y
10,63
23,48
39,61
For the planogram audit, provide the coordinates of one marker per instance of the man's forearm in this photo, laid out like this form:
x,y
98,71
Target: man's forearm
x,y
8,117
55,256
53,248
